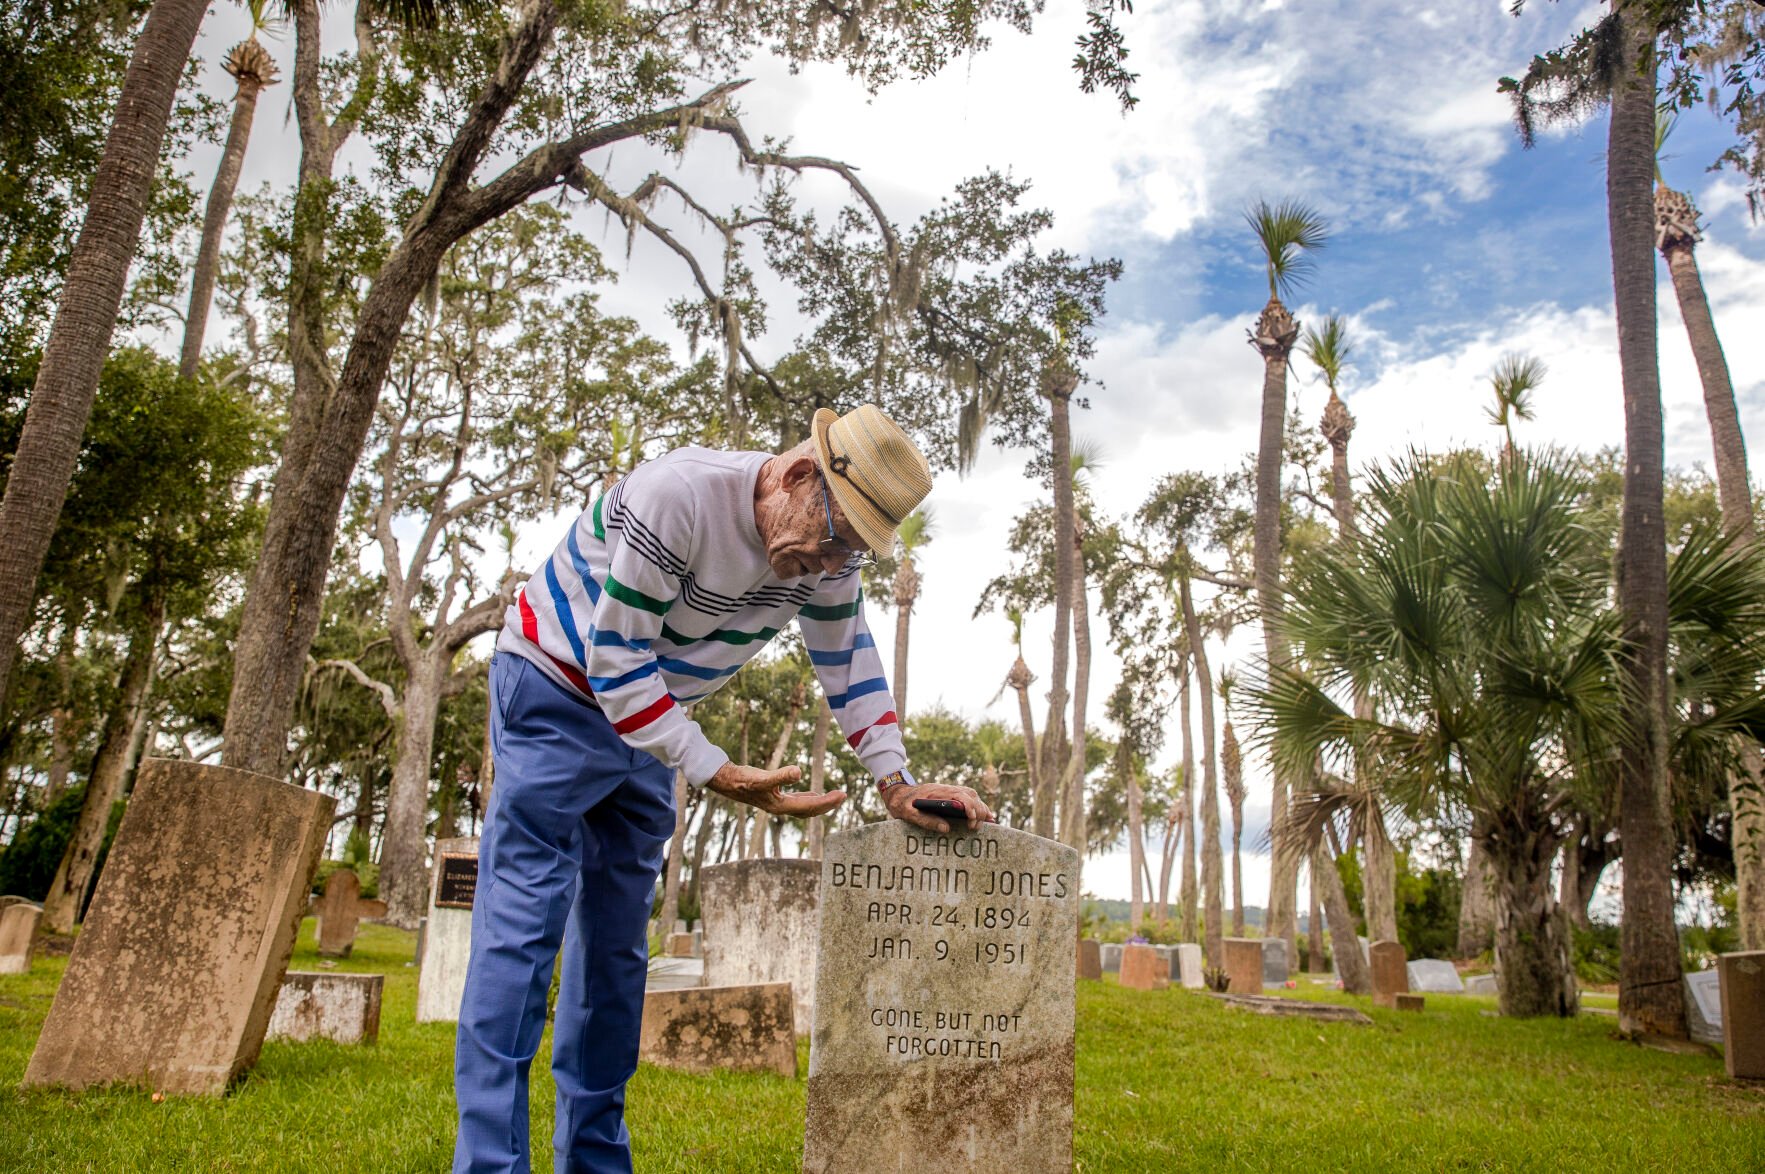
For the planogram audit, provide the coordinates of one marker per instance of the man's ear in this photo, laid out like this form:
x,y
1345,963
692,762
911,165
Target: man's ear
x,y
797,472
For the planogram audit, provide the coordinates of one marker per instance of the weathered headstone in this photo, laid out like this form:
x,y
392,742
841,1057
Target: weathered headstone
x,y
760,925
1112,957
1274,962
323,1004
1703,1006
1187,956
447,939
679,945
177,966
1366,954
1143,969
18,925
1407,1002
1090,959
742,1028
1743,1013
1244,966
944,1002
339,910
1390,972
1435,976
1482,984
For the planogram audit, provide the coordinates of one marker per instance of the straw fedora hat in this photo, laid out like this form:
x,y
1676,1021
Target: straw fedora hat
x,y
877,473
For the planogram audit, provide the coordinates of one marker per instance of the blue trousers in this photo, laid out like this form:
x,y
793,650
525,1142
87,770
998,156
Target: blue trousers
x,y
574,836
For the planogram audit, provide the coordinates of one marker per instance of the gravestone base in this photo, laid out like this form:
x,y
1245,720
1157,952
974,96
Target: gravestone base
x,y
1407,1002
738,1028
944,1030
326,1005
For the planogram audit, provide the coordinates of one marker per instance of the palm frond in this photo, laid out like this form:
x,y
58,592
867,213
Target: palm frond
x,y
1287,234
1327,347
429,14
916,529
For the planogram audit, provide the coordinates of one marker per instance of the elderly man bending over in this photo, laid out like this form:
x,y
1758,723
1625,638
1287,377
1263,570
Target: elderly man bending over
x,y
658,594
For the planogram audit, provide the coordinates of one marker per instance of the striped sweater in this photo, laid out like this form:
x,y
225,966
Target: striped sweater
x,y
661,590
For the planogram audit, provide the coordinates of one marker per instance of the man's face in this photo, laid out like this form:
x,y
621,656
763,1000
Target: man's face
x,y
794,548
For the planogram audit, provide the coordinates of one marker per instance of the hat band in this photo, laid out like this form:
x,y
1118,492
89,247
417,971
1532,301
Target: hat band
x,y
838,463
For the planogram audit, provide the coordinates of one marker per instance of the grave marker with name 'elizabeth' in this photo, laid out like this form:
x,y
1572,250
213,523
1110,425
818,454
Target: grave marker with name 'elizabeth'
x,y
944,1002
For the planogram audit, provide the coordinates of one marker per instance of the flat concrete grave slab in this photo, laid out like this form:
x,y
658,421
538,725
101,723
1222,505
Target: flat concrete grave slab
x,y
1188,971
760,925
1703,1006
1743,1013
1090,959
1434,976
322,1004
1291,1008
340,909
739,1028
447,939
18,928
176,969
1274,962
943,1038
1244,966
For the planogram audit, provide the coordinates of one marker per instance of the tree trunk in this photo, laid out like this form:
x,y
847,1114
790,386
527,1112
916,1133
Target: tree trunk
x,y
710,802
1057,386
671,877
1476,903
1649,996
1019,679
1173,835
1736,494
1532,959
1073,824
1345,947
104,786
1211,871
1188,894
818,772
404,873
906,594
1314,931
1124,761
1237,871
91,296
1378,877
1273,338
214,225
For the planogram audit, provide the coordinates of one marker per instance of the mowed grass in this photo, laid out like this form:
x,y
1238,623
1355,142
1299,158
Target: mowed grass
x,y
1166,1080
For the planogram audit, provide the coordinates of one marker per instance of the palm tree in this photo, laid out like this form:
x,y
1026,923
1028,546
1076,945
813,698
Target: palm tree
x,y
1018,679
1059,381
1188,890
1676,236
1086,460
915,531
1232,766
1286,234
91,297
252,69
1514,379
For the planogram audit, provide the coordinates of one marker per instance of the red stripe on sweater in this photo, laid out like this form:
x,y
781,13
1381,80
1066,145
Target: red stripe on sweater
x,y
645,716
530,629
529,621
886,719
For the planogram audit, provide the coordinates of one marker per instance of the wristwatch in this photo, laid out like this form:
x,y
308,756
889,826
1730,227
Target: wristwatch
x,y
899,778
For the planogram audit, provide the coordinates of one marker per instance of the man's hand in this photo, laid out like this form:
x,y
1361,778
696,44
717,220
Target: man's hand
x,y
899,801
761,788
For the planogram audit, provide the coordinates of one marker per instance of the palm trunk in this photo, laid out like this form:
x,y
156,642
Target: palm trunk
x,y
1532,956
1351,965
91,296
906,594
404,873
1677,234
1073,830
62,733
214,220
671,878
1167,858
818,772
1187,894
110,769
707,821
1314,934
1124,762
1649,996
1476,903
1237,871
1378,877
1273,338
1019,681
1057,386
1232,760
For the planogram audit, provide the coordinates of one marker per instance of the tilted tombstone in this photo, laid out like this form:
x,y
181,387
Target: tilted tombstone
x,y
1187,959
1244,966
944,1002
1703,1006
18,926
339,910
1112,957
1274,962
1390,973
760,925
447,939
1742,983
177,966
1435,976
320,1004
1090,959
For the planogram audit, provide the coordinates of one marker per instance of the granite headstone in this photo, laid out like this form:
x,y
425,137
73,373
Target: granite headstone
x,y
18,926
760,924
1434,976
1703,1006
1274,962
1743,1013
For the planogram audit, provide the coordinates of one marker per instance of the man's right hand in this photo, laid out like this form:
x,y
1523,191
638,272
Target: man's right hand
x,y
763,789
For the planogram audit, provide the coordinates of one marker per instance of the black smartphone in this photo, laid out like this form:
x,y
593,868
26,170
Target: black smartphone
x,y
942,808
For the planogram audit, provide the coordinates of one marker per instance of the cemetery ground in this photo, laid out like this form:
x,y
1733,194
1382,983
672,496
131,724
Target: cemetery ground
x,y
1166,1080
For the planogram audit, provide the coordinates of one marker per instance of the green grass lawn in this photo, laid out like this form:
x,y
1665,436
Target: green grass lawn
x,y
1166,1080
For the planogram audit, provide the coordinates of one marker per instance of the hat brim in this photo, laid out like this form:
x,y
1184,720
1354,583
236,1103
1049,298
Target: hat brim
x,y
865,518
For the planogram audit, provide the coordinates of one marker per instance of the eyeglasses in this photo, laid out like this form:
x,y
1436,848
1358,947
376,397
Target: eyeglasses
x,y
833,543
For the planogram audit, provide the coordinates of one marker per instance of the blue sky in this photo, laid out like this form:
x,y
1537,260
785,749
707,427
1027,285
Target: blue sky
x,y
1451,246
